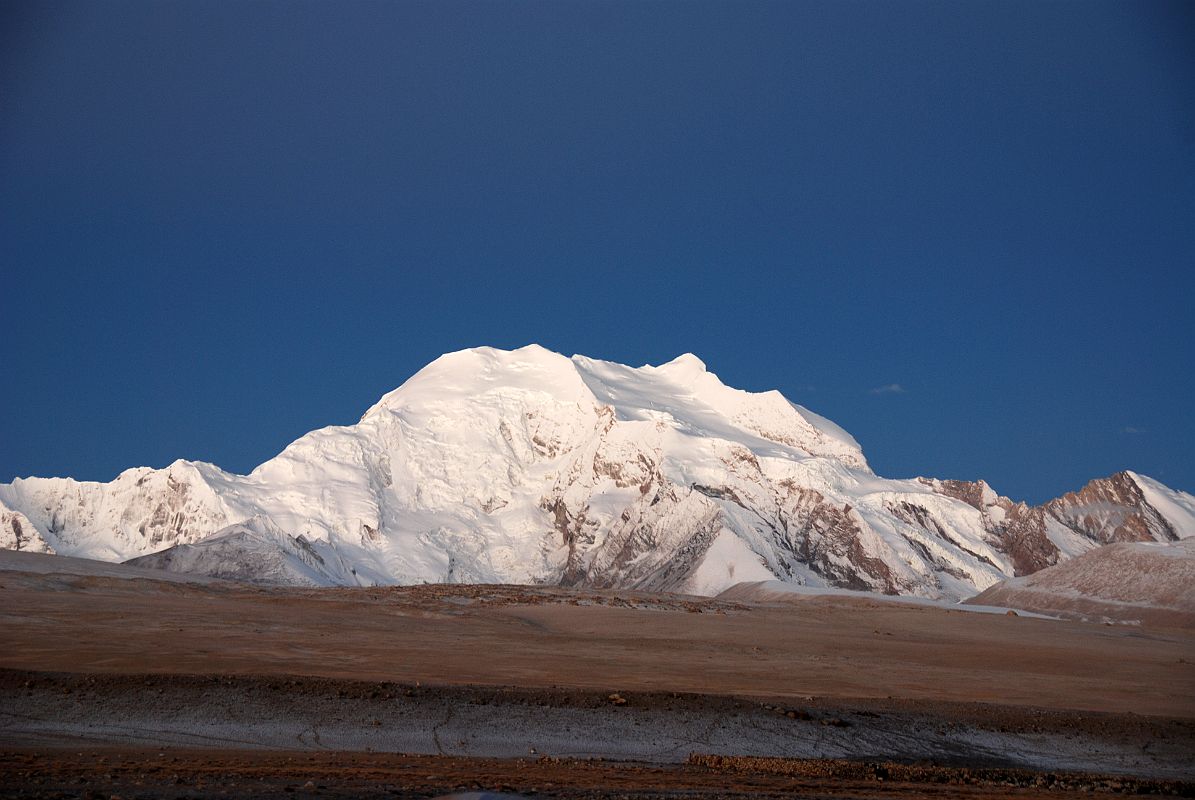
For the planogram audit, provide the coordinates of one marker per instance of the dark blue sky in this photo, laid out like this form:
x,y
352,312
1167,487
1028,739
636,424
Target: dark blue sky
x,y
225,224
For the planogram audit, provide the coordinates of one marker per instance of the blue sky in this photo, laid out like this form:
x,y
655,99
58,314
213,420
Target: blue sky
x,y
963,231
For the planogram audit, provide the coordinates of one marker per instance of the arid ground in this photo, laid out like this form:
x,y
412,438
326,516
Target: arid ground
x,y
126,682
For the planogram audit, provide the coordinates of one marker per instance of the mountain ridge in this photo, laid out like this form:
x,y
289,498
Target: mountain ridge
x,y
528,466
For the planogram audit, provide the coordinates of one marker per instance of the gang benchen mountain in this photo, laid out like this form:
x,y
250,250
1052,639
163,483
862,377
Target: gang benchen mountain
x,y
526,466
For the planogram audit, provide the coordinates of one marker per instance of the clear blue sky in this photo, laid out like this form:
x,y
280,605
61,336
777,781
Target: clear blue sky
x,y
225,224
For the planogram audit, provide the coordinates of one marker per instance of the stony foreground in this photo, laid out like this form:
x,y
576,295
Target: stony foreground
x,y
177,774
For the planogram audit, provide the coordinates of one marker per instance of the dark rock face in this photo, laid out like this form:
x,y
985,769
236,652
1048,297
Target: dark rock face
x,y
826,538
1111,510
1105,511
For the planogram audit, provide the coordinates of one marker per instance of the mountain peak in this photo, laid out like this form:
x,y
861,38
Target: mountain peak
x,y
686,362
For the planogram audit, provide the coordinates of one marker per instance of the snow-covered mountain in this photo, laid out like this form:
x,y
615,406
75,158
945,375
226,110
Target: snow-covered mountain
x,y
528,466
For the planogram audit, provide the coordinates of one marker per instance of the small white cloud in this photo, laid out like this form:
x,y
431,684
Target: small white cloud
x,y
1131,430
891,388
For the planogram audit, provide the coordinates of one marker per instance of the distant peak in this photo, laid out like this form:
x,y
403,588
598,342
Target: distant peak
x,y
527,349
497,357
536,348
685,361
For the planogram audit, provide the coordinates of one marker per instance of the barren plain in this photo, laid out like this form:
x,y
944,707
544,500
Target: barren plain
x,y
118,681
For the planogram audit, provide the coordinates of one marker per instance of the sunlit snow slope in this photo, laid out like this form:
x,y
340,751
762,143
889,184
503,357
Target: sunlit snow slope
x,y
529,466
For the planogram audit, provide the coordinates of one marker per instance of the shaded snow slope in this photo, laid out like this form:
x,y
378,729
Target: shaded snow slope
x,y
528,466
780,592
47,564
253,551
1152,582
